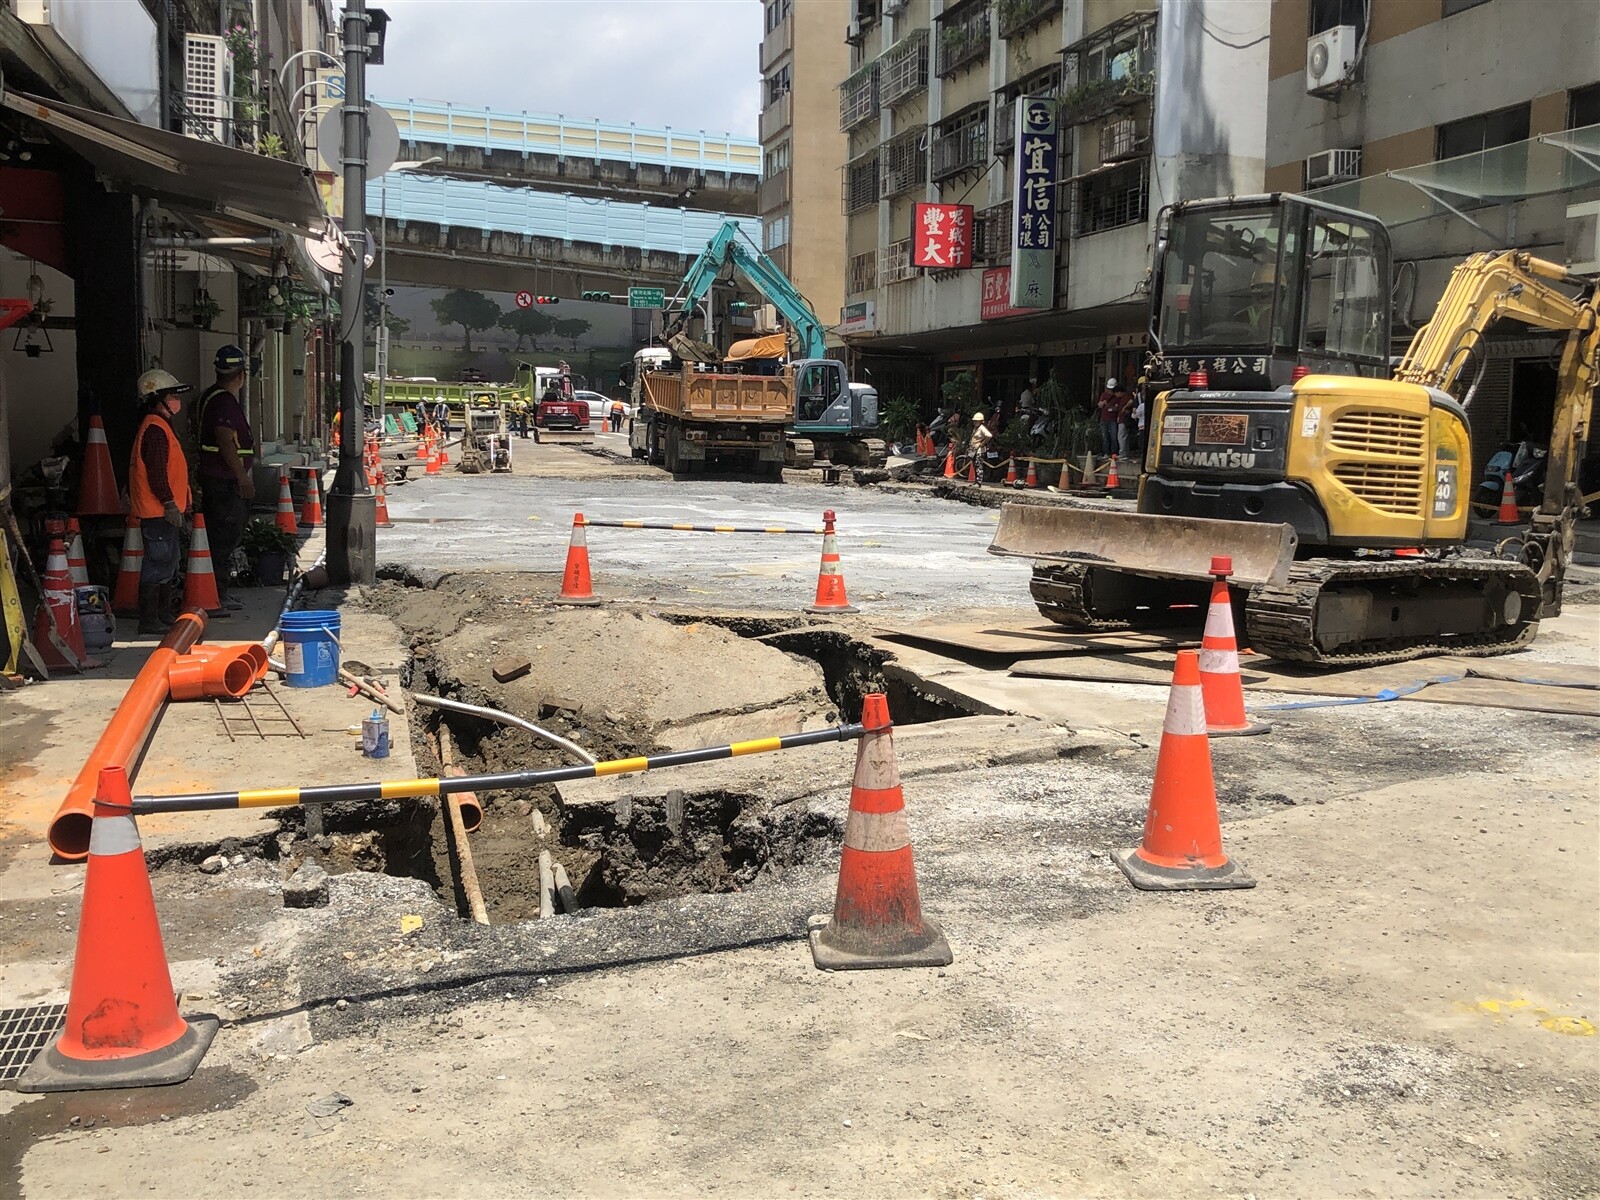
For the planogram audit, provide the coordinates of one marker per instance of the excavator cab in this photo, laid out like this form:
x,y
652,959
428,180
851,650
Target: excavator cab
x,y
825,401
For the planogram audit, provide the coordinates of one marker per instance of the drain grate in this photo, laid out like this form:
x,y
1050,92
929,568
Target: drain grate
x,y
23,1033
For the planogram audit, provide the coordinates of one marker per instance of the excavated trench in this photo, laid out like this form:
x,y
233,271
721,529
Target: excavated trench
x,y
639,851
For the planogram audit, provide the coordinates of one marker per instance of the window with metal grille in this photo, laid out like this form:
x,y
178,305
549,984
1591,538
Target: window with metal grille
x,y
861,274
963,33
861,183
1046,82
1018,16
778,84
905,162
1109,199
904,70
858,97
1113,67
961,143
776,159
895,266
992,240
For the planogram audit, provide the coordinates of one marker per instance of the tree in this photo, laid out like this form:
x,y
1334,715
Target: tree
x,y
470,310
571,329
528,324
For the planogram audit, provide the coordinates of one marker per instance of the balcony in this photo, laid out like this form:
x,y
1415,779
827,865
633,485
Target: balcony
x,y
1111,197
777,116
1019,16
861,183
905,163
961,143
776,44
773,192
1112,69
894,265
861,273
1041,83
963,37
904,68
858,97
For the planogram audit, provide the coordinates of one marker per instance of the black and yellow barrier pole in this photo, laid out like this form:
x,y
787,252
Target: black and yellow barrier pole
x,y
683,527
405,789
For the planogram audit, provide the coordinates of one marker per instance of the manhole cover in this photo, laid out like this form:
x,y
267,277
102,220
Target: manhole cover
x,y
23,1033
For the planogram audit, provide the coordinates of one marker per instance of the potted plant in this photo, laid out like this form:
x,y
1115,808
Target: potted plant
x,y
269,549
204,309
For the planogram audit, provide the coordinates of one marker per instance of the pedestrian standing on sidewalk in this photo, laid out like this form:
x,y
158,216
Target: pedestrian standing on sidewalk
x,y
1110,410
227,462
158,494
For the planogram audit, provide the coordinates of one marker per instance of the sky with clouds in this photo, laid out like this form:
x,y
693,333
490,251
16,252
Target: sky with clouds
x,y
690,64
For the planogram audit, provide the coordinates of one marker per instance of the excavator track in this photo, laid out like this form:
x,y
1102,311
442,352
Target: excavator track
x,y
1280,619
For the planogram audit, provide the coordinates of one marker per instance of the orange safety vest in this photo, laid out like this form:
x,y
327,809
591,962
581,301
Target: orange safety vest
x,y
143,499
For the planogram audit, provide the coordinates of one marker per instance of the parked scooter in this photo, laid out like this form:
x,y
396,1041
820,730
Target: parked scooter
x,y
1527,463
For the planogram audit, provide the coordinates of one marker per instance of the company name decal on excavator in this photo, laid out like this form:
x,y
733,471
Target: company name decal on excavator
x,y
1213,458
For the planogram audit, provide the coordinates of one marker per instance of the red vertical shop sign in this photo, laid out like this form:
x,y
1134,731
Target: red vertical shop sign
x,y
942,236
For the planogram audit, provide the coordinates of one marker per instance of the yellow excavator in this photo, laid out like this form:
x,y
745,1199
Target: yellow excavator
x,y
1281,436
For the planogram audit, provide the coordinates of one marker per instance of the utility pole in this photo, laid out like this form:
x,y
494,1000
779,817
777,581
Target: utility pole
x,y
352,507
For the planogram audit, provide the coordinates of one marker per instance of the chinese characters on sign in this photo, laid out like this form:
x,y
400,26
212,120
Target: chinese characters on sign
x,y
1033,231
996,300
942,236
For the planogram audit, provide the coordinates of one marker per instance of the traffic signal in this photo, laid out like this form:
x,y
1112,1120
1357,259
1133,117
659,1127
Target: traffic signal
x,y
738,305
603,297
547,299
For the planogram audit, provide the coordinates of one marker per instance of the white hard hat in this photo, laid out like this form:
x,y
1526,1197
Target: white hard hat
x,y
977,416
1111,383
155,382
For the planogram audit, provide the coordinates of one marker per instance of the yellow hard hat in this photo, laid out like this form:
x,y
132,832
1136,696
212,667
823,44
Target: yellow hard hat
x,y
977,416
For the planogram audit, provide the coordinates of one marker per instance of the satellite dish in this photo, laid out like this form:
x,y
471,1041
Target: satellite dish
x,y
329,252
383,139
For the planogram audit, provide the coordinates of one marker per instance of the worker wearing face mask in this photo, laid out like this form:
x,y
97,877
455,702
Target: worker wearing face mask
x,y
158,492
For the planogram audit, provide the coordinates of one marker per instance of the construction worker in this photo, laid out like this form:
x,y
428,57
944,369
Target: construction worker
x,y
226,465
981,437
158,493
617,409
1110,405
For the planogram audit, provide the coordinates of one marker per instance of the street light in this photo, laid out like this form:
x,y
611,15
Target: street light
x,y
383,272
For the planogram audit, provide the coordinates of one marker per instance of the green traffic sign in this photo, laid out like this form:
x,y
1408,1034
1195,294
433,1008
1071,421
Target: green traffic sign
x,y
647,297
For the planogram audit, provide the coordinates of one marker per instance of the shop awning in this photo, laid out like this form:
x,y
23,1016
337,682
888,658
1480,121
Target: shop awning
x,y
199,175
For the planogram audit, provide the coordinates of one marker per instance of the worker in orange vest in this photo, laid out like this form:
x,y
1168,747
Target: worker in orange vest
x,y
158,491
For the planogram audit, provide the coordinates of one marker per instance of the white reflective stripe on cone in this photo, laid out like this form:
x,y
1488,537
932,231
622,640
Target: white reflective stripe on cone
x,y
1219,662
1219,621
876,769
877,833
1186,711
113,835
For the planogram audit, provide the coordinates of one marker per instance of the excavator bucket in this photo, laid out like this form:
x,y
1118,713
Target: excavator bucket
x,y
1140,544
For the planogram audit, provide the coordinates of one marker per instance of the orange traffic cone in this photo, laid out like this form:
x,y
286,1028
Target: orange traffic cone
x,y
1065,481
1508,503
1032,479
1089,472
125,597
1182,845
1011,472
575,583
431,454
1112,481
122,1026
200,581
1220,681
285,519
76,567
97,492
877,913
311,510
950,463
56,632
383,520
972,470
830,580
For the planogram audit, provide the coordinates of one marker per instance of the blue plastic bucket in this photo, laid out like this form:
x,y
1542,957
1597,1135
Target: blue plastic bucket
x,y
311,647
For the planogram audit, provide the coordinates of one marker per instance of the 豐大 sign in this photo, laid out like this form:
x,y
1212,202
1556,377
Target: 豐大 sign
x,y
942,236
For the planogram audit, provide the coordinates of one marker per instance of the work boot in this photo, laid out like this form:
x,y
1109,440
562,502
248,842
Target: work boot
x,y
152,615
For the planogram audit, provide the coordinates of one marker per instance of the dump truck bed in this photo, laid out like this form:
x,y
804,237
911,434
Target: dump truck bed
x,y
765,399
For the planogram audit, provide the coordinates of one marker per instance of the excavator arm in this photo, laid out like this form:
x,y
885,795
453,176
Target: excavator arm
x,y
726,247
1487,288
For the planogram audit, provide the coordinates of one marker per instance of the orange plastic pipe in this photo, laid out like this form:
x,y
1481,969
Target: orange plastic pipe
x,y
124,736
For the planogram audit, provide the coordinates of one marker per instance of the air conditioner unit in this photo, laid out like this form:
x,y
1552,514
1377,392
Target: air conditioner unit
x,y
893,7
1331,60
766,319
852,31
207,86
1332,166
1122,138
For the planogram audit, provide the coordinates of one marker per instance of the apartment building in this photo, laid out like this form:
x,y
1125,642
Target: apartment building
x,y
803,54
1157,103
1464,125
